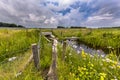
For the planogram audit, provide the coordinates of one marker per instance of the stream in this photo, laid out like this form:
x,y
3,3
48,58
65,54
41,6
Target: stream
x,y
80,47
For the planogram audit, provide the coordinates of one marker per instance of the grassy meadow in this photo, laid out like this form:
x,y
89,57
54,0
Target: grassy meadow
x,y
106,39
17,42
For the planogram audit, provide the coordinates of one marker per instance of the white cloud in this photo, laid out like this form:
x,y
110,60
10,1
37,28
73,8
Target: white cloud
x,y
70,19
32,13
28,13
106,16
52,20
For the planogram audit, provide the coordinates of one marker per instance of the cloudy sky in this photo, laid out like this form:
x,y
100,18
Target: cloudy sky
x,y
51,13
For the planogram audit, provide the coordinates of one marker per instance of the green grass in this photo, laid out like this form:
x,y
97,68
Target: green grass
x,y
31,72
75,67
105,39
8,70
16,41
83,67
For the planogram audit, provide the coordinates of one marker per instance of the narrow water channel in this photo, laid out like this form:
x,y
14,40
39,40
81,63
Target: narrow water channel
x,y
80,47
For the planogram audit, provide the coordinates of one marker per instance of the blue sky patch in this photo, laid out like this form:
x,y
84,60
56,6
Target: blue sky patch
x,y
75,5
65,11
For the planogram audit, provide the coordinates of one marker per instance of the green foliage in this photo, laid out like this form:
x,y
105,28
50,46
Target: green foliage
x,y
16,43
46,54
26,39
30,74
76,66
85,67
96,38
10,25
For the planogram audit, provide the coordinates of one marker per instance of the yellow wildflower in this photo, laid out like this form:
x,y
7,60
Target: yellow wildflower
x,y
102,76
115,62
118,66
73,74
92,65
77,79
83,54
79,68
70,73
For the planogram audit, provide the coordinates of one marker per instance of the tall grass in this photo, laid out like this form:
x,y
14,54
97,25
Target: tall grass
x,y
31,72
16,42
105,39
84,67
75,67
24,39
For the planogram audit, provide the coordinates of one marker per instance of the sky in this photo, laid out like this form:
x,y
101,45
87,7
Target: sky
x,y
53,13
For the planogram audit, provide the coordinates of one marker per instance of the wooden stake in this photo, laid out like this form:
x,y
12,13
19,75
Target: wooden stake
x,y
35,55
52,74
64,50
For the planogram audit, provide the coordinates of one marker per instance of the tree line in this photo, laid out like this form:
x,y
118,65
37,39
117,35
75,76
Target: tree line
x,y
11,25
71,27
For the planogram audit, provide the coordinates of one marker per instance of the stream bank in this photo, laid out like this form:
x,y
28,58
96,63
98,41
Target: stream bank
x,y
80,46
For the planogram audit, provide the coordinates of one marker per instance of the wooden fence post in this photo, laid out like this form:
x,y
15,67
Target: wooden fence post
x,y
35,55
64,50
52,73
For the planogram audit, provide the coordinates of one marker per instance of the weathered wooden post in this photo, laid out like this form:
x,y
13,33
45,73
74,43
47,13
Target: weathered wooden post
x,y
35,55
52,74
39,45
64,50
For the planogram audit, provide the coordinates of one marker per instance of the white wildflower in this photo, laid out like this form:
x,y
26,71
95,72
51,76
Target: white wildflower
x,y
11,59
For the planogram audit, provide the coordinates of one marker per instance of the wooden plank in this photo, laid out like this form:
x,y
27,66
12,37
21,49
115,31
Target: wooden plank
x,y
47,33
